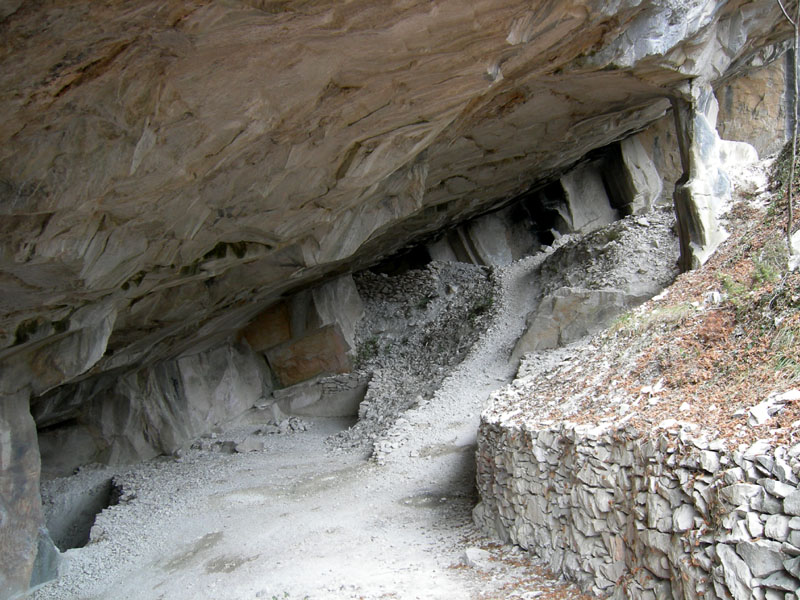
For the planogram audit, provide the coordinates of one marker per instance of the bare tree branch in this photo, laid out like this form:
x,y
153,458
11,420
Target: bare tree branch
x,y
796,51
785,13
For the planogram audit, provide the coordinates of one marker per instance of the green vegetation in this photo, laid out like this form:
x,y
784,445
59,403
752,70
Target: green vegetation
x,y
662,317
770,263
368,350
482,306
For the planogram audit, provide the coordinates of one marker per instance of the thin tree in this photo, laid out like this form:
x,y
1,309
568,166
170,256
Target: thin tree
x,y
796,25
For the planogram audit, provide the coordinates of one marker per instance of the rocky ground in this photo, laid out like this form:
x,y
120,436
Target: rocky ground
x,y
292,509
717,351
629,459
417,326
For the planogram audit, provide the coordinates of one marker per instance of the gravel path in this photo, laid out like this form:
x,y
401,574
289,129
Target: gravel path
x,y
298,520
307,518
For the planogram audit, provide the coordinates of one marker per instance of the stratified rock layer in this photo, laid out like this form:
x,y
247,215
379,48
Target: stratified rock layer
x,y
175,166
169,169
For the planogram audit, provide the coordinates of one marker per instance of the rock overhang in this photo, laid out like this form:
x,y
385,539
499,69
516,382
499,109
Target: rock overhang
x,y
169,170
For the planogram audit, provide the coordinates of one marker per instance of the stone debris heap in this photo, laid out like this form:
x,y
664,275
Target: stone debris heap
x,y
417,325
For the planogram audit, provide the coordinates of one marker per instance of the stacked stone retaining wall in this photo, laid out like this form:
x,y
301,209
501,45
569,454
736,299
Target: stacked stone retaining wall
x,y
657,516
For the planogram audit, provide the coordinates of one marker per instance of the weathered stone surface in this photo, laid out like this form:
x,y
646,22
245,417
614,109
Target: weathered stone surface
x,y
150,411
683,518
742,494
48,560
337,302
736,573
640,182
156,199
655,521
762,556
20,502
477,559
251,443
792,565
704,188
781,581
777,527
587,207
778,488
791,504
196,197
326,397
270,328
760,95
569,314
323,351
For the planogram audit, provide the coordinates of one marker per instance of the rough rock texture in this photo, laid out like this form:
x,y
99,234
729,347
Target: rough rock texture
x,y
632,514
20,503
754,107
418,325
120,419
154,163
169,169
590,280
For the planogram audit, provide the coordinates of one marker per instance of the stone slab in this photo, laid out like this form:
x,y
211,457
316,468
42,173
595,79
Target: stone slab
x,y
268,329
323,351
20,502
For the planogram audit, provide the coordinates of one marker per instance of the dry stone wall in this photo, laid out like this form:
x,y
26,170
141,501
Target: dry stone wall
x,y
657,515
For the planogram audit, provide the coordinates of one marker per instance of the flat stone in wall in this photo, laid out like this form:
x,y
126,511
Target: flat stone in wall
x,y
629,515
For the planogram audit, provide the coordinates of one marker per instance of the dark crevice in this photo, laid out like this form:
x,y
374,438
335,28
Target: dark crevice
x,y
405,260
70,521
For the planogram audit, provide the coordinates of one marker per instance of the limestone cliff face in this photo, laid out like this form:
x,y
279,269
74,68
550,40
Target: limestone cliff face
x,y
169,168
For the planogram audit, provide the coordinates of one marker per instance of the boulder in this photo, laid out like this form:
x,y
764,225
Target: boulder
x,y
569,314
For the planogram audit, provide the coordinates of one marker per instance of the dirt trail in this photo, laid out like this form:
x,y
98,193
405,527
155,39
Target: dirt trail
x,y
305,517
297,520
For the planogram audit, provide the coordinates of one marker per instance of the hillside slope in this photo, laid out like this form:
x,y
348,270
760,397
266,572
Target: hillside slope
x,y
719,341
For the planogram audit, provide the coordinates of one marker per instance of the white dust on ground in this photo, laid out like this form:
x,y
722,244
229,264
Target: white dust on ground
x,y
305,518
297,520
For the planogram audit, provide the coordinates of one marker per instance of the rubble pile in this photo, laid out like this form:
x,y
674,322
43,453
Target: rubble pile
x,y
417,326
